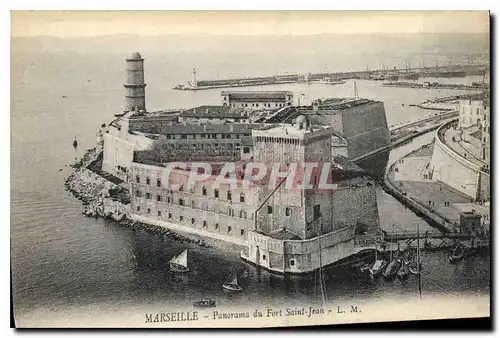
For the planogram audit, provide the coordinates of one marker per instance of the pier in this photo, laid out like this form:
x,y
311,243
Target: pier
x,y
378,75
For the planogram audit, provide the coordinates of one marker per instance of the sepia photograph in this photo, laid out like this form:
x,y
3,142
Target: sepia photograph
x,y
249,169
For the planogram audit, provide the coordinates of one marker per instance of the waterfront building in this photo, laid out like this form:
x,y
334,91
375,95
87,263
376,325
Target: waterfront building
x,y
257,214
284,230
472,113
461,155
257,100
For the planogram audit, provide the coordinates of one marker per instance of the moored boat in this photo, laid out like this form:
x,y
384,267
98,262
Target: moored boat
x,y
403,272
392,269
457,254
179,263
205,303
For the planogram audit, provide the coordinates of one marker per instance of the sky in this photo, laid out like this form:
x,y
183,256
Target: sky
x,y
96,23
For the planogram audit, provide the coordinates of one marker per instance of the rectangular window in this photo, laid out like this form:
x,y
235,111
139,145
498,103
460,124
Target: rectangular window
x,y
269,209
242,232
181,218
149,211
204,191
216,226
216,193
204,224
169,215
158,183
181,201
137,179
242,197
138,193
148,195
192,220
317,211
158,198
138,208
228,229
246,150
288,212
159,213
148,181
183,136
229,196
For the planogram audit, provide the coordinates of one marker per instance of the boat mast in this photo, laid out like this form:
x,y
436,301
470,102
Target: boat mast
x,y
321,280
418,262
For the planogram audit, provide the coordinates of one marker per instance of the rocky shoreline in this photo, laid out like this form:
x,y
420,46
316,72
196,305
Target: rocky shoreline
x,y
99,198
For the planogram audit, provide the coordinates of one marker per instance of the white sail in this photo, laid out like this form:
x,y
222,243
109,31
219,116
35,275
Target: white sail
x,y
232,279
180,259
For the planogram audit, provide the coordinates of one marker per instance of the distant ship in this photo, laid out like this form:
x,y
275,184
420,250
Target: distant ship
x,y
445,73
411,76
328,80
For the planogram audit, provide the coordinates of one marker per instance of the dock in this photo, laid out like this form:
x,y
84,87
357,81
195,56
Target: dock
x,y
377,75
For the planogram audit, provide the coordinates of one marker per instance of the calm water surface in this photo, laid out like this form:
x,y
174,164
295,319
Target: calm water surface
x,y
61,259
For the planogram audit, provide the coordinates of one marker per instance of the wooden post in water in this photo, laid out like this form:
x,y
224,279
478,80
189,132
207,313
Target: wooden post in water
x,y
418,262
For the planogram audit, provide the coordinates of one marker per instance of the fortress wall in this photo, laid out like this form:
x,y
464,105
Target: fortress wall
x,y
355,204
365,128
117,152
453,170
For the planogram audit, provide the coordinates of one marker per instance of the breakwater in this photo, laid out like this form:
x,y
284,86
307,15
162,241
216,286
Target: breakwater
x,y
434,85
336,76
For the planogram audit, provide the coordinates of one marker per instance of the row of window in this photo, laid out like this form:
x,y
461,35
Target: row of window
x,y
203,191
204,206
193,221
201,146
242,213
205,136
280,140
269,105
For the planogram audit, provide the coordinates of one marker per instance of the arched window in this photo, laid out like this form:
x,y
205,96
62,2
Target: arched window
x,y
204,191
158,182
137,179
148,181
242,197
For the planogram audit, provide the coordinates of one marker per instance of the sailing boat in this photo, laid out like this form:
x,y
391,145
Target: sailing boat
x,y
179,263
231,283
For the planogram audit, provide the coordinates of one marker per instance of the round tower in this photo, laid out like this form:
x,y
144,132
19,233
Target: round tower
x,y
135,93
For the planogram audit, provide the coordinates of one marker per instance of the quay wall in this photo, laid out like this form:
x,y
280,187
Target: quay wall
x,y
433,219
299,256
454,170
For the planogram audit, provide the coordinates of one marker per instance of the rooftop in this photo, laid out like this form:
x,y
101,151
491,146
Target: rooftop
x,y
284,235
223,128
206,111
290,130
340,103
257,95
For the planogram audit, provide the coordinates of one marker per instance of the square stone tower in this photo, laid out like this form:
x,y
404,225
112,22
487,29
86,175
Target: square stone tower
x,y
301,207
